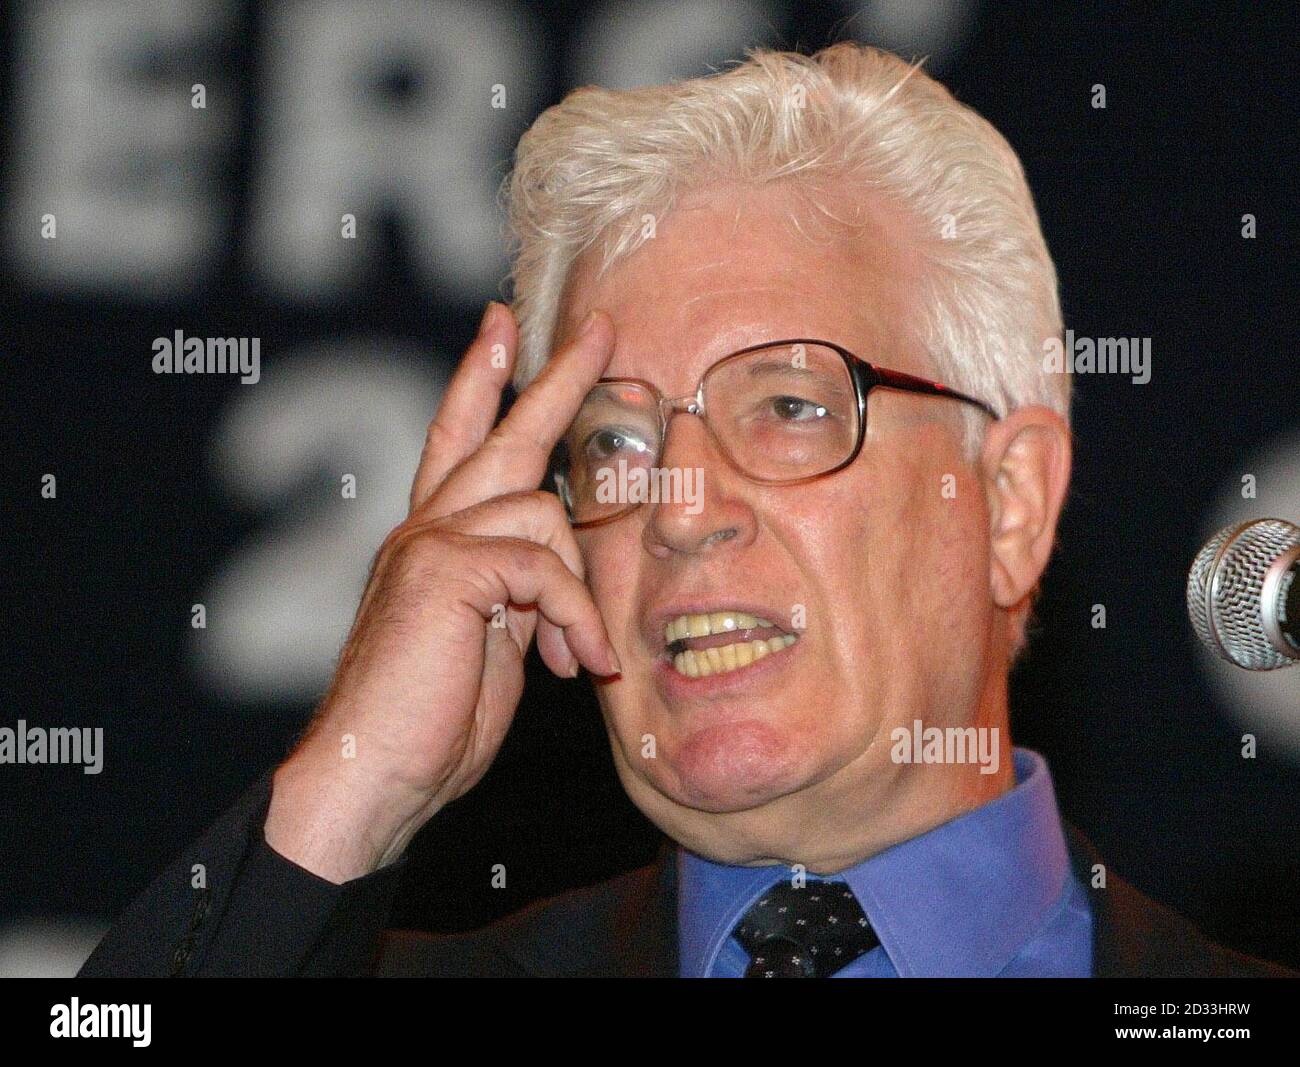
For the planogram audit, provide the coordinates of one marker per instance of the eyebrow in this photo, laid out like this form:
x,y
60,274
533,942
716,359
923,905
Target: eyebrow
x,y
605,394
766,365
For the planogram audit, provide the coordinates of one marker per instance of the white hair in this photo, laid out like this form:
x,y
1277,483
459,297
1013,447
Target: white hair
x,y
848,118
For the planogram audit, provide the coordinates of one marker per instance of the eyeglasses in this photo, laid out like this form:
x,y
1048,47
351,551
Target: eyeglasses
x,y
780,412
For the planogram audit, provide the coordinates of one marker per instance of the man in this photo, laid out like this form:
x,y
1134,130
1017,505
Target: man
x,y
810,463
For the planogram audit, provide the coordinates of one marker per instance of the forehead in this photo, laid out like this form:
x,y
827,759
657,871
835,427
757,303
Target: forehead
x,y
732,266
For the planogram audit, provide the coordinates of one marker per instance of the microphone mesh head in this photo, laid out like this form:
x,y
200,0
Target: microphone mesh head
x,y
1198,580
1225,591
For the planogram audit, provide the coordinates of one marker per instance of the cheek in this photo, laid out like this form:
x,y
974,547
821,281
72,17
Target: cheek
x,y
611,574
612,570
938,564
910,551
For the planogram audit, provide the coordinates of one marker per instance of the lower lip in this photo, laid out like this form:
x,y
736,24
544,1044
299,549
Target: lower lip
x,y
682,686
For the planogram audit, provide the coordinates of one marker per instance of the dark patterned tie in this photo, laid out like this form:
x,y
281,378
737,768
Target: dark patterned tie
x,y
804,933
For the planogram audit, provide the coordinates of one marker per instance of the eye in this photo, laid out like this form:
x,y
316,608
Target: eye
x,y
796,409
611,441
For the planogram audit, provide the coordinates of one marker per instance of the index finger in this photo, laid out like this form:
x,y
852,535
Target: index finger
x,y
470,401
514,456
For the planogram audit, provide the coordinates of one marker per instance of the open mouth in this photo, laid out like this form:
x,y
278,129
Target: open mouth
x,y
721,641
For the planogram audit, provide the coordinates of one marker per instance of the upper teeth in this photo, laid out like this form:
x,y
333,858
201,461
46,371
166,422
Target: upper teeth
x,y
715,622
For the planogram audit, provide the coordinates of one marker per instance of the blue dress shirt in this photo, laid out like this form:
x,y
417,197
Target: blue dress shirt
x,y
987,894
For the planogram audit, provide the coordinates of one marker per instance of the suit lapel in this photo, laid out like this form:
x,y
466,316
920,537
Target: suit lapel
x,y
645,944
1106,955
1133,935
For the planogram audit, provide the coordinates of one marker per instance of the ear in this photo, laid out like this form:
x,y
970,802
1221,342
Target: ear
x,y
1025,464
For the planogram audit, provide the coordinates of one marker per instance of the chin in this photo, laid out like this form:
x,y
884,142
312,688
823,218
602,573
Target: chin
x,y
734,766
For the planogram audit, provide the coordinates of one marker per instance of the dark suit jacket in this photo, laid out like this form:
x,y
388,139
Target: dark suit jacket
x,y
231,905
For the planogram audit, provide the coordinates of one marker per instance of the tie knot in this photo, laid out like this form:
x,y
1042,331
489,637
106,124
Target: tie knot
x,y
807,932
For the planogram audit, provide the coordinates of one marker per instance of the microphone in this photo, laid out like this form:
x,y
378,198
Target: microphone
x,y
1243,594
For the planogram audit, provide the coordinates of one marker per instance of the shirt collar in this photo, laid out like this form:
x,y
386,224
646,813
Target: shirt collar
x,y
958,900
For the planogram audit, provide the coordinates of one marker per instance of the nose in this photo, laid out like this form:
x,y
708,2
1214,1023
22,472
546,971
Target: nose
x,y
715,515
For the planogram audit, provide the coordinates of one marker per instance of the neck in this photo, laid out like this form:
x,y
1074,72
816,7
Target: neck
x,y
907,799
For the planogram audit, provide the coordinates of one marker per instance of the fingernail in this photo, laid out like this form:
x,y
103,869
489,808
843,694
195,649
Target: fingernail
x,y
574,666
587,324
611,660
487,316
